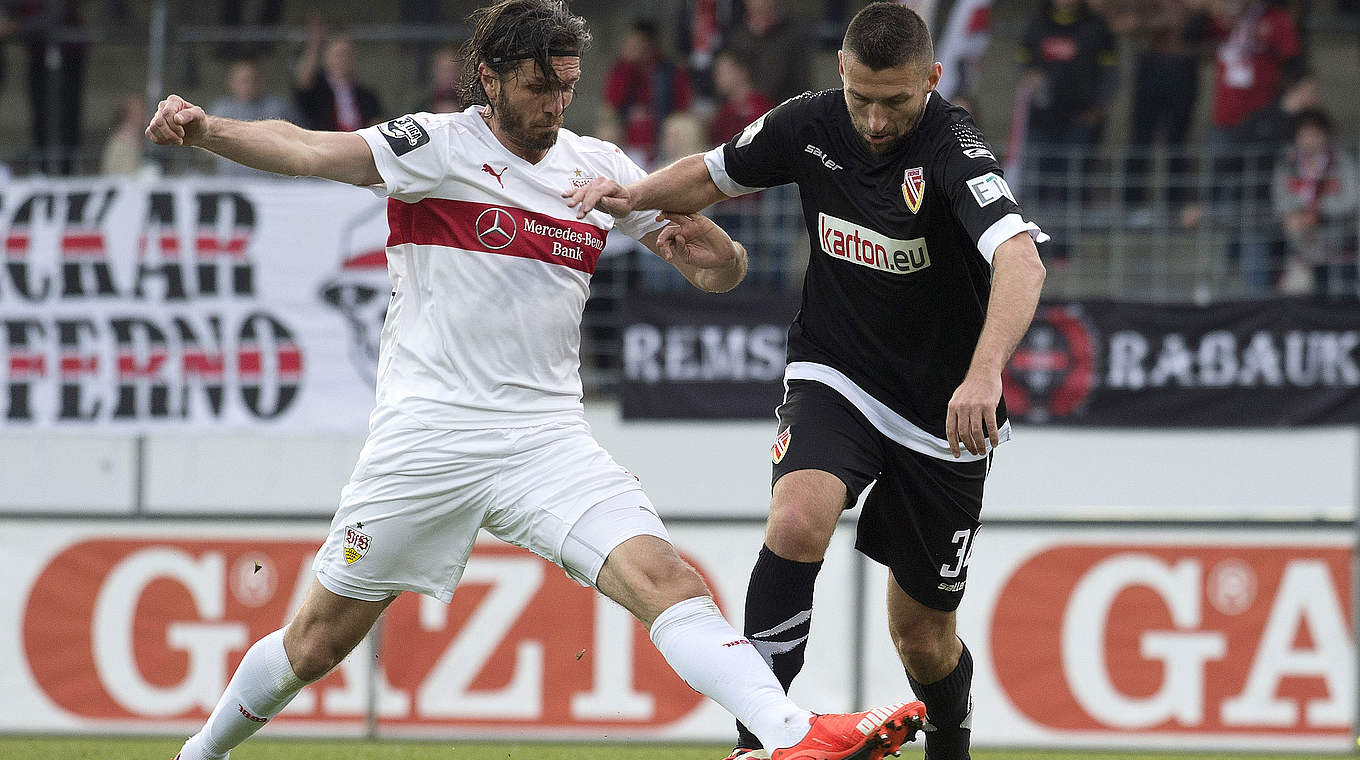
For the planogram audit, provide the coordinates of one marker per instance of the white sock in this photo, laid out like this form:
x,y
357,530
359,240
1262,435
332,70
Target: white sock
x,y
263,685
716,661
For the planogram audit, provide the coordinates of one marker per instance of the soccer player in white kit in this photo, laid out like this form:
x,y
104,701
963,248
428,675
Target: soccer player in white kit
x,y
479,421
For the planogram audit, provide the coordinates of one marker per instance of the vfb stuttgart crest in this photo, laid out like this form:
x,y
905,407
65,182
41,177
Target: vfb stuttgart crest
x,y
1053,369
356,545
914,188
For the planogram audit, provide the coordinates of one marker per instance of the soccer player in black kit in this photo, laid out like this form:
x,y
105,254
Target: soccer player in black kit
x,y
923,278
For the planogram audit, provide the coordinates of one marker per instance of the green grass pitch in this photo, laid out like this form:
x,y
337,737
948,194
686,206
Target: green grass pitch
x,y
118,748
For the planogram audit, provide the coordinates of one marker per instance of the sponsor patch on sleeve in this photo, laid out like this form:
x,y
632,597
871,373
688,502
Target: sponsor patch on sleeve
x,y
752,129
404,134
990,188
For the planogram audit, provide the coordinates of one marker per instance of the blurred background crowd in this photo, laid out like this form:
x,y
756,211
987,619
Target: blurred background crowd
x,y
1176,149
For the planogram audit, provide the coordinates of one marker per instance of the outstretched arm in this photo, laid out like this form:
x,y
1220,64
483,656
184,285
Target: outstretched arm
x,y
684,187
1017,279
700,250
273,146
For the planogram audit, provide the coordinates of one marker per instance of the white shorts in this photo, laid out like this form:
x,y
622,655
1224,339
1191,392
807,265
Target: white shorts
x,y
411,511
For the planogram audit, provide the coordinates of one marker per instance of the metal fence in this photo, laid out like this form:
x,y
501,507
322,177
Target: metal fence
x,y
1158,225
1155,225
1184,225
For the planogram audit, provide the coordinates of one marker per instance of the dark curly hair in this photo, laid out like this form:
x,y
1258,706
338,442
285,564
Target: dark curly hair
x,y
511,31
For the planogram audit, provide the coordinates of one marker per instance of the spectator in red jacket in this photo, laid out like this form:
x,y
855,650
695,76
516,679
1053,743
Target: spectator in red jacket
x,y
643,88
741,103
326,87
1256,40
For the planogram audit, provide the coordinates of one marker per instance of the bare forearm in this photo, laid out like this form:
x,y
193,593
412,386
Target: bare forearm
x,y
718,279
283,148
683,187
273,146
1017,281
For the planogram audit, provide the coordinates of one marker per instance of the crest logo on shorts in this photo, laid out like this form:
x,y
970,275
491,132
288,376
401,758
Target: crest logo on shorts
x,y
781,445
356,545
914,188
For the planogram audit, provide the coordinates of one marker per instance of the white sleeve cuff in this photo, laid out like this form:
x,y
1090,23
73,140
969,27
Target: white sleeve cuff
x,y
1004,229
380,156
717,170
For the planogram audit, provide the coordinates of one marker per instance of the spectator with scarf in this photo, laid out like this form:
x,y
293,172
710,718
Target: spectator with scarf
x,y
1315,196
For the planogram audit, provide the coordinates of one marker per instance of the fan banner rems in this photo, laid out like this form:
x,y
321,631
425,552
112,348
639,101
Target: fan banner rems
x,y
1262,363
193,304
699,355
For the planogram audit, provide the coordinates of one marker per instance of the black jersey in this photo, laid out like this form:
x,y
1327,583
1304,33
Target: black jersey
x,y
900,269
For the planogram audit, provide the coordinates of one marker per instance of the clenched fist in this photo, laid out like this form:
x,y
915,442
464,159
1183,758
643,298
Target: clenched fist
x,y
177,122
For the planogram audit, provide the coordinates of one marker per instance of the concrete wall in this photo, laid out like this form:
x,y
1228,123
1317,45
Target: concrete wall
x,y
715,469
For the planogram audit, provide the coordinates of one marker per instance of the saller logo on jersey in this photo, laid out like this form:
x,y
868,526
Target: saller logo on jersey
x,y
863,246
404,135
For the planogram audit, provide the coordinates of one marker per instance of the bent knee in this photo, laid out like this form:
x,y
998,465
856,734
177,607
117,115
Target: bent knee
x,y
924,645
669,579
647,575
313,651
800,532
923,649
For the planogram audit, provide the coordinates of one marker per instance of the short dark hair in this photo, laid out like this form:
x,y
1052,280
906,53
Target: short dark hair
x,y
886,35
511,31
647,28
1313,117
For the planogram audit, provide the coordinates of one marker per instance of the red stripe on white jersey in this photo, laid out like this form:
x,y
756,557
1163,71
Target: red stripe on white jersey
x,y
488,228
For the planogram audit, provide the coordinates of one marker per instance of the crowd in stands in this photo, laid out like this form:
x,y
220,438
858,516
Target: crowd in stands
x,y
1271,172
1268,142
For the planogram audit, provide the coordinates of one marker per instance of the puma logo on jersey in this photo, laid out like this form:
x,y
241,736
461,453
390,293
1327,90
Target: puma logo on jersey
x,y
497,174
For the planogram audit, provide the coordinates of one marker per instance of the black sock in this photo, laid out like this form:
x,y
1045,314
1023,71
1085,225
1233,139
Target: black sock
x,y
949,702
780,591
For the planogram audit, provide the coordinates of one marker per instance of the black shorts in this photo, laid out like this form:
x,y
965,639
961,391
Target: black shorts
x,y
922,515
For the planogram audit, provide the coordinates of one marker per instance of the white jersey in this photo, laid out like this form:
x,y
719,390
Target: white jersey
x,y
490,270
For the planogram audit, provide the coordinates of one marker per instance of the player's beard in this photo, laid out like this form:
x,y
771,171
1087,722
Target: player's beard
x,y
862,130
517,127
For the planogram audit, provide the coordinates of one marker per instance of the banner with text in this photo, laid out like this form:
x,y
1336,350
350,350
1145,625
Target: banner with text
x,y
1277,362
1204,638
700,355
128,305
1174,638
1264,363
